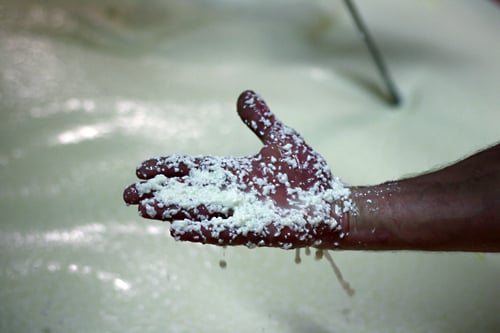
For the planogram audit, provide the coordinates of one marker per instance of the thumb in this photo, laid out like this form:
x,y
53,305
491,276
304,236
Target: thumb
x,y
256,115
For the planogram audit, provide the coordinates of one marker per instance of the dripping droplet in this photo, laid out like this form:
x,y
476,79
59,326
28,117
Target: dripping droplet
x,y
223,262
318,255
297,256
345,285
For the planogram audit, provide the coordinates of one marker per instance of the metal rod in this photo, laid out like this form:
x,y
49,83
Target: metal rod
x,y
394,97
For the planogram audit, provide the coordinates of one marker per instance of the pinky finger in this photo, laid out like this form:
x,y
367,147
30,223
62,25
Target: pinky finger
x,y
205,233
217,232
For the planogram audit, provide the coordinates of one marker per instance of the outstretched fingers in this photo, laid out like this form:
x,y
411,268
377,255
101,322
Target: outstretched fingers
x,y
255,113
194,188
155,173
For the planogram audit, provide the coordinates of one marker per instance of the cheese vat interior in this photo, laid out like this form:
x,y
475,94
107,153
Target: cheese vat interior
x,y
90,89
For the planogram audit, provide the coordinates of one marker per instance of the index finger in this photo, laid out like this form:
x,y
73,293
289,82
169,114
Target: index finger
x,y
182,165
169,166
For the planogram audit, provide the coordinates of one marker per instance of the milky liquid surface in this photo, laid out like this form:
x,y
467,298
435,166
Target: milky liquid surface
x,y
90,89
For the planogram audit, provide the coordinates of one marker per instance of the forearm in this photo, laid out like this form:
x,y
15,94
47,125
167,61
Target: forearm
x,y
453,209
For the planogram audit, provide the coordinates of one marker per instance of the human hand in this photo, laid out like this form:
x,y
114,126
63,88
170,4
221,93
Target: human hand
x,y
284,196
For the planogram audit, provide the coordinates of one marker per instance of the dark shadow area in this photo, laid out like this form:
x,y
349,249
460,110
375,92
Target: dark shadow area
x,y
301,323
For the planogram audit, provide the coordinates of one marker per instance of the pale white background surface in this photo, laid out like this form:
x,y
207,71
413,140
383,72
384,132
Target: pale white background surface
x,y
89,89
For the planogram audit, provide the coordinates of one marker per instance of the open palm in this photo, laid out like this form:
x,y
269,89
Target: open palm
x,y
284,196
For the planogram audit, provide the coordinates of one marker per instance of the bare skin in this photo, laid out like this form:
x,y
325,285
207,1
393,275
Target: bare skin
x,y
456,208
453,209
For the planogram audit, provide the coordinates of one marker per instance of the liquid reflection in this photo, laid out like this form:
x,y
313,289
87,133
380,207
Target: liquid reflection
x,y
116,282
82,133
87,234
158,121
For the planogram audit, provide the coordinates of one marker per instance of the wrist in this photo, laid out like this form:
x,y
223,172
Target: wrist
x,y
422,215
369,226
